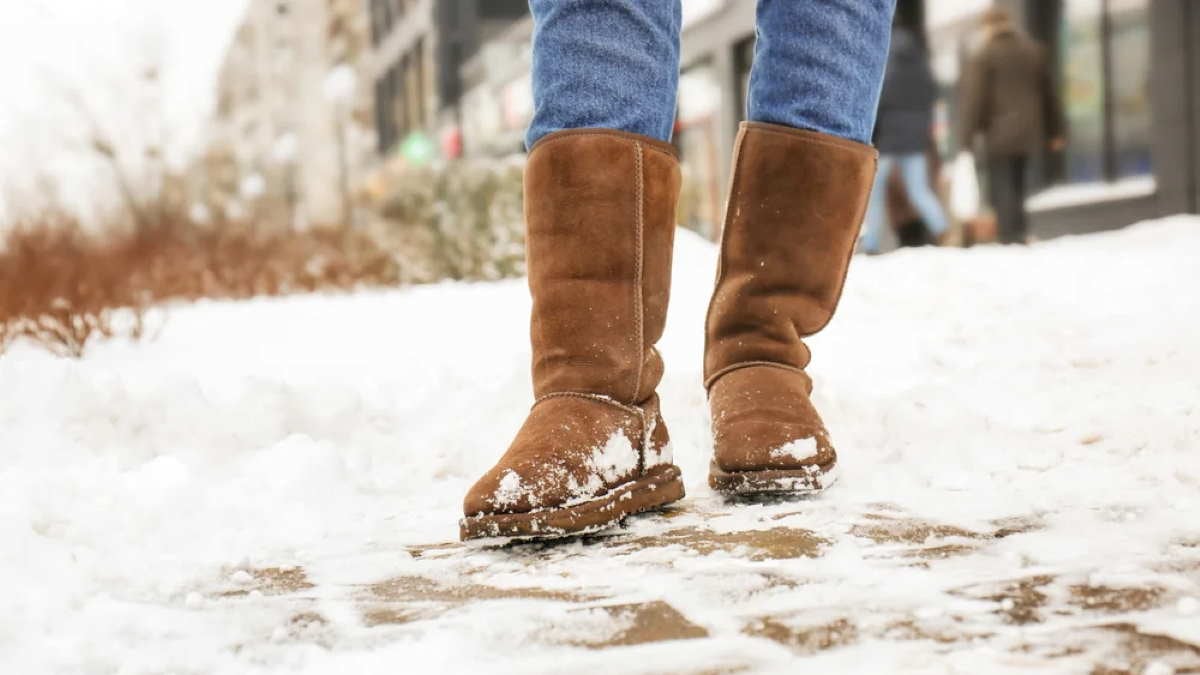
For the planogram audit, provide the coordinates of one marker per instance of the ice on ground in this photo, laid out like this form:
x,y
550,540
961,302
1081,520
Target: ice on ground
x,y
274,486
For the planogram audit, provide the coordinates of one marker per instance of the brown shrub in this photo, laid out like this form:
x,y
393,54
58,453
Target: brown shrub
x,y
62,287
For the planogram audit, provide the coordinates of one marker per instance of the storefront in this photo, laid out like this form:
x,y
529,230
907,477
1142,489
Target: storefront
x,y
1128,72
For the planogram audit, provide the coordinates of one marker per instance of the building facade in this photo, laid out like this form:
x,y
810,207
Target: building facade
x,y
1128,72
1129,75
419,50
293,112
497,101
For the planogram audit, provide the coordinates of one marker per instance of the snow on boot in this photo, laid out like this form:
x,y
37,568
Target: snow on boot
x,y
600,218
796,202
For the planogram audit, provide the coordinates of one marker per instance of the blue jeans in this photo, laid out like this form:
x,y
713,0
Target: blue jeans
x,y
914,173
614,64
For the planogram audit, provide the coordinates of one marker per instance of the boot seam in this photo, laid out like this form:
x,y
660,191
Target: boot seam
x,y
638,252
599,398
712,379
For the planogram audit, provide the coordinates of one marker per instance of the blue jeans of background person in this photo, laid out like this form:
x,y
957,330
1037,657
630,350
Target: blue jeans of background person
x,y
914,173
614,64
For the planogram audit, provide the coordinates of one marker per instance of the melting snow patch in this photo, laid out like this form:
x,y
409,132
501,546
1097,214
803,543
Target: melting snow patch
x,y
510,490
614,459
799,449
658,455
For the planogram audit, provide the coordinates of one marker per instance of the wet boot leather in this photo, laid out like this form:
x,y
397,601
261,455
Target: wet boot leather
x,y
796,202
600,217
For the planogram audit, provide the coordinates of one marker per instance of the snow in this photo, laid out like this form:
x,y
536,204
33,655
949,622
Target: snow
x,y
801,448
615,458
274,485
1065,196
510,490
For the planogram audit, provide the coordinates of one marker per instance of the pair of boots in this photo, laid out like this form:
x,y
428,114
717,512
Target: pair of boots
x,y
600,212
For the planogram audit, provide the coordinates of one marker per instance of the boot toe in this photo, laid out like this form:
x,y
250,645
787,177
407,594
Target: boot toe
x,y
569,449
763,419
505,489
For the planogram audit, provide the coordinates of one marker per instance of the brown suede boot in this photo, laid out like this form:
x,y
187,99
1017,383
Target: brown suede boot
x,y
796,202
600,218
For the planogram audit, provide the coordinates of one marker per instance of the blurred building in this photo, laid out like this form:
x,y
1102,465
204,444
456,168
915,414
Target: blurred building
x,y
1128,72
458,72
419,50
293,112
1129,75
497,101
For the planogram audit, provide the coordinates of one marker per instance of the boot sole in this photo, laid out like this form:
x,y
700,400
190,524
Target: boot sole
x,y
812,479
659,487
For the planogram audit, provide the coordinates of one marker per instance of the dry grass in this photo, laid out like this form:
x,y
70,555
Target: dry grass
x,y
63,288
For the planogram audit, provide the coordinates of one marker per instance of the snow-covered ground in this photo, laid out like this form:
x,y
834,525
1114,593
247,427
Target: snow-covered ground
x,y
273,486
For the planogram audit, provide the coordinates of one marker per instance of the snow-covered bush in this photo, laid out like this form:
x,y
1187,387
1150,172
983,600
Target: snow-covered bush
x,y
456,220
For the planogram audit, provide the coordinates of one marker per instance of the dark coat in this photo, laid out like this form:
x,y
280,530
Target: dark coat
x,y
906,103
1008,97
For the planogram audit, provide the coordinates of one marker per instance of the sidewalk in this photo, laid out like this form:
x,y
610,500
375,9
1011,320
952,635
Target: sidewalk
x,y
273,486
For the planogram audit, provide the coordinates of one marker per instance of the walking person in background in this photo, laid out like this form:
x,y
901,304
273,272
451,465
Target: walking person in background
x,y
1008,98
601,186
902,133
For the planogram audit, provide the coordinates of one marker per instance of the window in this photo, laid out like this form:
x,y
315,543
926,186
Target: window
x,y
743,62
502,9
1129,40
388,113
1083,88
1104,48
376,28
381,116
382,18
419,76
396,120
698,136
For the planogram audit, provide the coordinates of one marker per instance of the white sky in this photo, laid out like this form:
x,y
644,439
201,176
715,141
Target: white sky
x,y
95,50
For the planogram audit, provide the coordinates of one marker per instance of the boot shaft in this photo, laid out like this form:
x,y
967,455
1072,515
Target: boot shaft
x,y
600,224
797,199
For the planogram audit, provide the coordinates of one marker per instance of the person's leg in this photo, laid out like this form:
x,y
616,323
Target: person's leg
x,y
1020,218
801,177
611,64
1003,191
601,186
876,219
914,170
819,65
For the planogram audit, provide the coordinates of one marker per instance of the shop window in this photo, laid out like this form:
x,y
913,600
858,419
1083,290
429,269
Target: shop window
x,y
1129,37
743,55
1104,49
697,135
